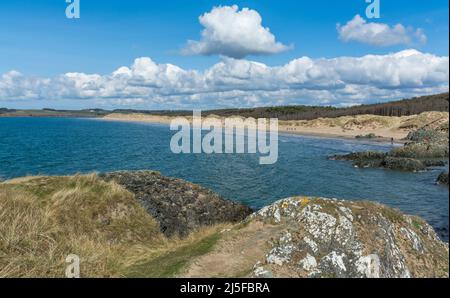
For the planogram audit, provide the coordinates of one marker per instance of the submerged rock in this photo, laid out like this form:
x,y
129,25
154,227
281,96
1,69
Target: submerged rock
x,y
179,206
443,178
334,238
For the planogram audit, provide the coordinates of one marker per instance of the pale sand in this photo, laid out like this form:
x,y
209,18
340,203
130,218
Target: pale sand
x,y
383,127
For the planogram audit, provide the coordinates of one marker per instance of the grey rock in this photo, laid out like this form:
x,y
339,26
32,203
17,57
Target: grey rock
x,y
425,148
336,238
179,206
261,272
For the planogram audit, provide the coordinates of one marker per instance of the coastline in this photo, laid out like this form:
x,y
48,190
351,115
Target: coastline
x,y
382,135
378,140
364,128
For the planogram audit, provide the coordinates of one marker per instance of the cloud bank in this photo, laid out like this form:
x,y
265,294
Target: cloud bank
x,y
379,34
234,33
232,82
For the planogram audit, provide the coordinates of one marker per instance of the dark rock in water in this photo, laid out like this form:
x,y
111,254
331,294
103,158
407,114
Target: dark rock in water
x,y
443,178
367,155
398,163
179,206
373,159
403,164
434,163
368,163
426,148
368,159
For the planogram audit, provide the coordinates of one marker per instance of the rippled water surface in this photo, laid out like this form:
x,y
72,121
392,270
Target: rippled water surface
x,y
51,146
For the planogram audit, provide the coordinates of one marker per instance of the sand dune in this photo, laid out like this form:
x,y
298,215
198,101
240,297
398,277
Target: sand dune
x,y
382,127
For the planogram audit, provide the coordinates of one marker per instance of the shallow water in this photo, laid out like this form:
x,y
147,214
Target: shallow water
x,y
52,146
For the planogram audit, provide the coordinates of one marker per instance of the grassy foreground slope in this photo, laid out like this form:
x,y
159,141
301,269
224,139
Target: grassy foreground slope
x,y
44,219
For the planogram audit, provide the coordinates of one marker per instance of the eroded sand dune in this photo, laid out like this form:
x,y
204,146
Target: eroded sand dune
x,y
383,127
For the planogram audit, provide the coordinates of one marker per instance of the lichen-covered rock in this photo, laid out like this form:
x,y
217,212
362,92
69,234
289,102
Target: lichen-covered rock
x,y
335,238
179,206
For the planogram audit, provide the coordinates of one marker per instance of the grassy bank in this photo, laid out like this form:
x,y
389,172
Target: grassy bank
x,y
44,219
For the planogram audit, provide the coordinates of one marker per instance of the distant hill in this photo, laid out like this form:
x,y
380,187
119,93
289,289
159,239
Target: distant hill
x,y
87,113
406,107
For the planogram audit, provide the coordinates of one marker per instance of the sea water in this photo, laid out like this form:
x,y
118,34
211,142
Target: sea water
x,y
63,146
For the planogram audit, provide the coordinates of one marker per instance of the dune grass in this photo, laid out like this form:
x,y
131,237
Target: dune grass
x,y
44,219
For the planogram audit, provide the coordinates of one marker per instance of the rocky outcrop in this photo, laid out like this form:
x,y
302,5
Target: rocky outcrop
x,y
443,178
179,206
333,238
294,237
385,160
425,148
424,143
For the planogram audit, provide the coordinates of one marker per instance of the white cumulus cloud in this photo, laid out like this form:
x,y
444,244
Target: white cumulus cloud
x,y
379,34
339,81
234,33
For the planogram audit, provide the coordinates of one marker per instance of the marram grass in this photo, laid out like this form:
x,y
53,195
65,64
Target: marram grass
x,y
45,219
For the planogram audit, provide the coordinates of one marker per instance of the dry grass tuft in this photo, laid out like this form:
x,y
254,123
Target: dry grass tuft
x,y
44,219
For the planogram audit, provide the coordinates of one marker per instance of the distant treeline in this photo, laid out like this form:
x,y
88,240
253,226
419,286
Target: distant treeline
x,y
406,107
87,113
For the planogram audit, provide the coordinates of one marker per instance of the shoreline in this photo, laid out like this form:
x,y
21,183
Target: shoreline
x,y
381,129
283,130
379,140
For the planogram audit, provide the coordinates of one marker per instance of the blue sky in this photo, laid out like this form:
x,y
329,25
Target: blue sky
x,y
37,40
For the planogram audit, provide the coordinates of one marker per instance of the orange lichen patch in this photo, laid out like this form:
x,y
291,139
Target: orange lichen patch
x,y
284,205
304,202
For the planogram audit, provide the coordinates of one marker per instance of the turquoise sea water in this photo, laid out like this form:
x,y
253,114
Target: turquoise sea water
x,y
55,146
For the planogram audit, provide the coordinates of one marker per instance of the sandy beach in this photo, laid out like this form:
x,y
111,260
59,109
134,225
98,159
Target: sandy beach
x,y
377,128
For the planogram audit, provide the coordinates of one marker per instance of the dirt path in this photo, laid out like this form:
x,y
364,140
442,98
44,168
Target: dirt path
x,y
236,253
